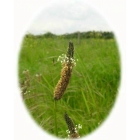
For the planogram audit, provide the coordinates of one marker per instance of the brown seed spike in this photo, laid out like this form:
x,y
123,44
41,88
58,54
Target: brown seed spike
x,y
65,74
70,123
63,82
71,127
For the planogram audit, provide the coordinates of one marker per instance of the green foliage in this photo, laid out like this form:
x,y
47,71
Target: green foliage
x,y
93,86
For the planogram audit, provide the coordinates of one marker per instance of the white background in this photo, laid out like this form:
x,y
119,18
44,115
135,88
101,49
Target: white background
x,y
114,126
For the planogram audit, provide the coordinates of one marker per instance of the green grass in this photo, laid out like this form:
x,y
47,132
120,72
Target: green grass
x,y
92,90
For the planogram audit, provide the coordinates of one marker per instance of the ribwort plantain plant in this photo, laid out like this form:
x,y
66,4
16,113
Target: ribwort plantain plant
x,y
72,129
67,66
68,63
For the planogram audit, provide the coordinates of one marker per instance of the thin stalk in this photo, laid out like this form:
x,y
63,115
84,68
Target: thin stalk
x,y
55,117
88,110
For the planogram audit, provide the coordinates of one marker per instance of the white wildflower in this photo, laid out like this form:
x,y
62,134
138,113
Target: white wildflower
x,y
64,59
79,126
67,131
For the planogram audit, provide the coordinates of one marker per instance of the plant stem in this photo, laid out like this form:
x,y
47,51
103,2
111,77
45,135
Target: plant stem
x,y
85,102
55,118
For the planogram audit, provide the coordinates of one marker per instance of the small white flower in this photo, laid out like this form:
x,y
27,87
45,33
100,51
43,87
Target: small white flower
x,y
67,131
64,59
79,126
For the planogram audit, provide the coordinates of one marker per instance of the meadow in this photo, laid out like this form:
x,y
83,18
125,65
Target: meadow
x,y
93,86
